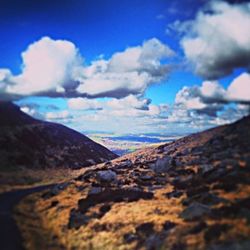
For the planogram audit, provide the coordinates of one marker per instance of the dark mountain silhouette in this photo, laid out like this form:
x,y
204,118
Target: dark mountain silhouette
x,y
28,142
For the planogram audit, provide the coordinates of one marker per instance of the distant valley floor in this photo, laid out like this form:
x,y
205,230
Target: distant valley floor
x,y
124,144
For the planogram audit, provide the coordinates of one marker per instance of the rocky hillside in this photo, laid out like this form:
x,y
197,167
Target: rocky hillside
x,y
31,143
193,193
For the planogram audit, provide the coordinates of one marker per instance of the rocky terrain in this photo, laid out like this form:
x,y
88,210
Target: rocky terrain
x,y
30,143
193,193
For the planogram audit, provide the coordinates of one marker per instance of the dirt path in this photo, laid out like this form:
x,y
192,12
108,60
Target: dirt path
x,y
10,237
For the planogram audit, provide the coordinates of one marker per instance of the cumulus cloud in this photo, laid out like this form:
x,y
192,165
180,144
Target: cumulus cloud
x,y
218,40
125,114
211,94
130,101
28,110
210,104
48,66
128,106
32,109
55,68
127,72
61,115
191,98
84,104
239,89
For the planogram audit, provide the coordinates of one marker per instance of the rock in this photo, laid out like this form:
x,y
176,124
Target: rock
x,y
215,175
230,162
106,176
91,161
129,237
204,198
179,162
168,225
195,211
162,164
214,231
186,151
54,203
145,229
86,176
160,149
112,195
160,180
184,182
197,150
95,190
146,177
198,228
107,164
205,168
242,245
174,194
105,208
55,190
125,164
77,219
154,241
197,190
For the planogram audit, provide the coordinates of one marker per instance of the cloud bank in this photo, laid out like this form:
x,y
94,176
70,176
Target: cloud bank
x,y
55,68
218,40
211,104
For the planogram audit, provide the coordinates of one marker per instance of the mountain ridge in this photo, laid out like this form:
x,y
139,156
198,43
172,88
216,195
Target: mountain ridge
x,y
193,193
31,143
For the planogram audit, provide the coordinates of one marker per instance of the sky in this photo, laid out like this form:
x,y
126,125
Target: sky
x,y
126,66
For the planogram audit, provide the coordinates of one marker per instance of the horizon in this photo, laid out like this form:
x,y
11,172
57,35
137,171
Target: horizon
x,y
127,68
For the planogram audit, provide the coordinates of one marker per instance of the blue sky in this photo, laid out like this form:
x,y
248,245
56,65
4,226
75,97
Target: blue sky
x,y
88,64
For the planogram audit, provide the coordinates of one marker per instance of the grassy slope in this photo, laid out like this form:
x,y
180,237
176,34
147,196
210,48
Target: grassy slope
x,y
109,231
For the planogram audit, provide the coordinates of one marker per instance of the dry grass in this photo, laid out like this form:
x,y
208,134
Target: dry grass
x,y
106,232
47,226
26,178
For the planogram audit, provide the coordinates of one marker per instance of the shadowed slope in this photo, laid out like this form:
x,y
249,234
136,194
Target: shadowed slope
x,y
25,141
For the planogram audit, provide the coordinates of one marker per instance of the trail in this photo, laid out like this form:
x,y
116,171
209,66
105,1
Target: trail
x,y
10,236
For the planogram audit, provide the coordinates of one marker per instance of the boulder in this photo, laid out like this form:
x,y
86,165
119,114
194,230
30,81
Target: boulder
x,y
106,176
162,164
95,190
205,168
195,211
125,164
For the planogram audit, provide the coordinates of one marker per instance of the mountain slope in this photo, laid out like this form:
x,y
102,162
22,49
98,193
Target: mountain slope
x,y
32,143
193,193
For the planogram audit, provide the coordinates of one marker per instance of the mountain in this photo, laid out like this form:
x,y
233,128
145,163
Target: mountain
x,y
25,141
193,193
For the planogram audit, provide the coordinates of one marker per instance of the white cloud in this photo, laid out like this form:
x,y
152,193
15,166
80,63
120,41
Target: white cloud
x,y
145,58
239,89
210,96
61,115
210,104
84,104
130,101
127,72
212,90
32,109
200,98
48,66
28,110
218,40
55,68
127,114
